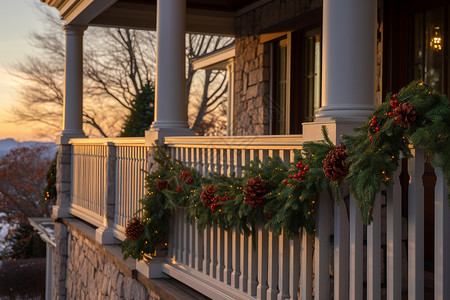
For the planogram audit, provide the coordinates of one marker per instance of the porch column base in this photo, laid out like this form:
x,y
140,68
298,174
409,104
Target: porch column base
x,y
312,131
65,137
344,114
104,236
152,268
158,133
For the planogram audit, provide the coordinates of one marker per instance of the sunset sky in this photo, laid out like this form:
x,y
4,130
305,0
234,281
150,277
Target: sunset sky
x,y
18,19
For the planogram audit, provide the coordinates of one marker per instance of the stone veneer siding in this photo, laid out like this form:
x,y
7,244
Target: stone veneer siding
x,y
252,74
85,269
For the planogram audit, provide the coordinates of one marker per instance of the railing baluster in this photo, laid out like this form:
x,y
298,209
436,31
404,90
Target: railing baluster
x,y
252,266
238,161
294,266
394,238
341,251
199,248
322,247
223,161
306,267
213,264
261,291
356,252
220,254
415,226
230,160
283,262
193,232
272,281
236,261
205,156
227,257
244,252
374,253
442,239
207,251
180,235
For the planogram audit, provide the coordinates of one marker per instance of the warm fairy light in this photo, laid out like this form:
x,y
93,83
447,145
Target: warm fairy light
x,y
436,40
384,172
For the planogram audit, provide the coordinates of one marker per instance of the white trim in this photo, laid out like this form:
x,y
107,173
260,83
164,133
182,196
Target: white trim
x,y
237,142
86,215
83,11
215,61
204,284
124,141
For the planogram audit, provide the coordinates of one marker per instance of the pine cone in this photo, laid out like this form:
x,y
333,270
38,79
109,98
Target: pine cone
x,y
162,185
134,229
334,165
207,195
254,192
404,114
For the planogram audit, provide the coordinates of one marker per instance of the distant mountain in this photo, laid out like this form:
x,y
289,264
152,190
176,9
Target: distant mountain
x,y
7,144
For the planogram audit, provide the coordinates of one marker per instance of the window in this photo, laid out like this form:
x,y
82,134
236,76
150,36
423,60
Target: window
x,y
295,80
427,58
279,105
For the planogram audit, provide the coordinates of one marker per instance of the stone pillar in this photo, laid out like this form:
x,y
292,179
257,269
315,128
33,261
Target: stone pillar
x,y
72,116
170,102
73,84
349,60
63,179
104,234
60,262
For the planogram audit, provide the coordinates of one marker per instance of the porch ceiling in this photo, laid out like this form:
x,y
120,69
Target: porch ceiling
x,y
203,16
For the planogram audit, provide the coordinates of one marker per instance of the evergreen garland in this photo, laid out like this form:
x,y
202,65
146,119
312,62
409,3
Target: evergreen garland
x,y
224,205
416,116
284,199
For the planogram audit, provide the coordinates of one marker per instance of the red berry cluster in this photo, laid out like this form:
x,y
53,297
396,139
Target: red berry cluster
x,y
216,201
375,125
186,175
394,102
300,174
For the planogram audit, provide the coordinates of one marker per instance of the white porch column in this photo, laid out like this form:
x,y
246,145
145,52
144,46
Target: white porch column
x,y
73,84
72,116
170,103
349,60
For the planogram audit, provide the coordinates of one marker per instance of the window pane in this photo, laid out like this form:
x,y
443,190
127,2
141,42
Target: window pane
x,y
312,76
280,83
434,38
417,56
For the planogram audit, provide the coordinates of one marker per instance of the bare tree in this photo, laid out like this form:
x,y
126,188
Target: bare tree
x,y
118,63
206,96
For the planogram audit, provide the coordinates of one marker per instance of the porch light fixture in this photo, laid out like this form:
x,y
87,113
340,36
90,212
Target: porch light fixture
x,y
436,40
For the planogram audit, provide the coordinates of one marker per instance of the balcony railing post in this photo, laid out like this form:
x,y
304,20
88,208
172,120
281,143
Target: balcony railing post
x,y
104,234
63,181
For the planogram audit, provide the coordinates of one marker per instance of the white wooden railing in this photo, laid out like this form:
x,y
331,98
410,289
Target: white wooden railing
x,y
92,180
226,264
343,260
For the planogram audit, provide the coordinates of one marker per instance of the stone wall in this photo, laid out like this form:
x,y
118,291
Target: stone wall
x,y
91,275
252,95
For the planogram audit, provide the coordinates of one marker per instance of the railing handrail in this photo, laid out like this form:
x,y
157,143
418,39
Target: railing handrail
x,y
236,142
119,141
